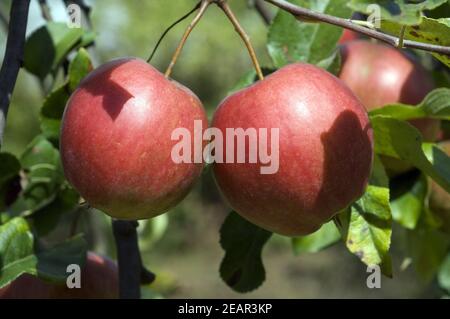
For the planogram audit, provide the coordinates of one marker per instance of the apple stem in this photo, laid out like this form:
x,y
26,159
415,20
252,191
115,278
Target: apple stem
x,y
300,12
401,39
197,6
223,4
128,258
203,6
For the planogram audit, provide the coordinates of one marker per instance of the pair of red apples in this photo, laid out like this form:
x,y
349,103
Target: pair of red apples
x,y
116,137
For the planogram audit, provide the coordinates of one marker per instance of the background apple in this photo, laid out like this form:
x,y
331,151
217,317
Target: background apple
x,y
348,35
99,280
116,139
326,150
380,75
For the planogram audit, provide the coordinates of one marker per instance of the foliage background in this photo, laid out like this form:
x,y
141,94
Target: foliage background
x,y
182,247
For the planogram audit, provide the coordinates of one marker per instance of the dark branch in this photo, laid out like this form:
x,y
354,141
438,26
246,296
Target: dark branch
x,y
147,277
300,12
263,12
13,57
129,259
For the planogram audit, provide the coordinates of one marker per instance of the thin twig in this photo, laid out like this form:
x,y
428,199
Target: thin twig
x,y
13,57
223,4
170,28
401,38
263,12
203,6
394,41
147,277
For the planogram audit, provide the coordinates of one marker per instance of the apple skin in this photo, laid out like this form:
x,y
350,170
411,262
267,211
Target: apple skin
x,y
325,150
116,139
440,198
99,280
379,75
348,35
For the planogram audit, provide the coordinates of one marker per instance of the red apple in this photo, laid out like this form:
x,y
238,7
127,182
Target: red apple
x,y
325,150
116,139
379,74
348,35
99,280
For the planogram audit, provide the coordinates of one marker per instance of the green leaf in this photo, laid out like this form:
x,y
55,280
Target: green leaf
x,y
50,264
10,167
44,176
46,47
87,39
367,225
332,64
427,248
52,112
397,10
246,80
399,139
408,196
442,11
292,41
79,67
444,274
9,179
433,31
46,218
16,243
326,236
435,105
242,268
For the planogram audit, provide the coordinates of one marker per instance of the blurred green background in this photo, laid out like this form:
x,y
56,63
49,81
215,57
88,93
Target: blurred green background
x,y
182,247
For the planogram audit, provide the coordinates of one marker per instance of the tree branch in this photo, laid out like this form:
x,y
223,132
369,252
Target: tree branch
x,y
128,258
263,12
13,57
348,24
